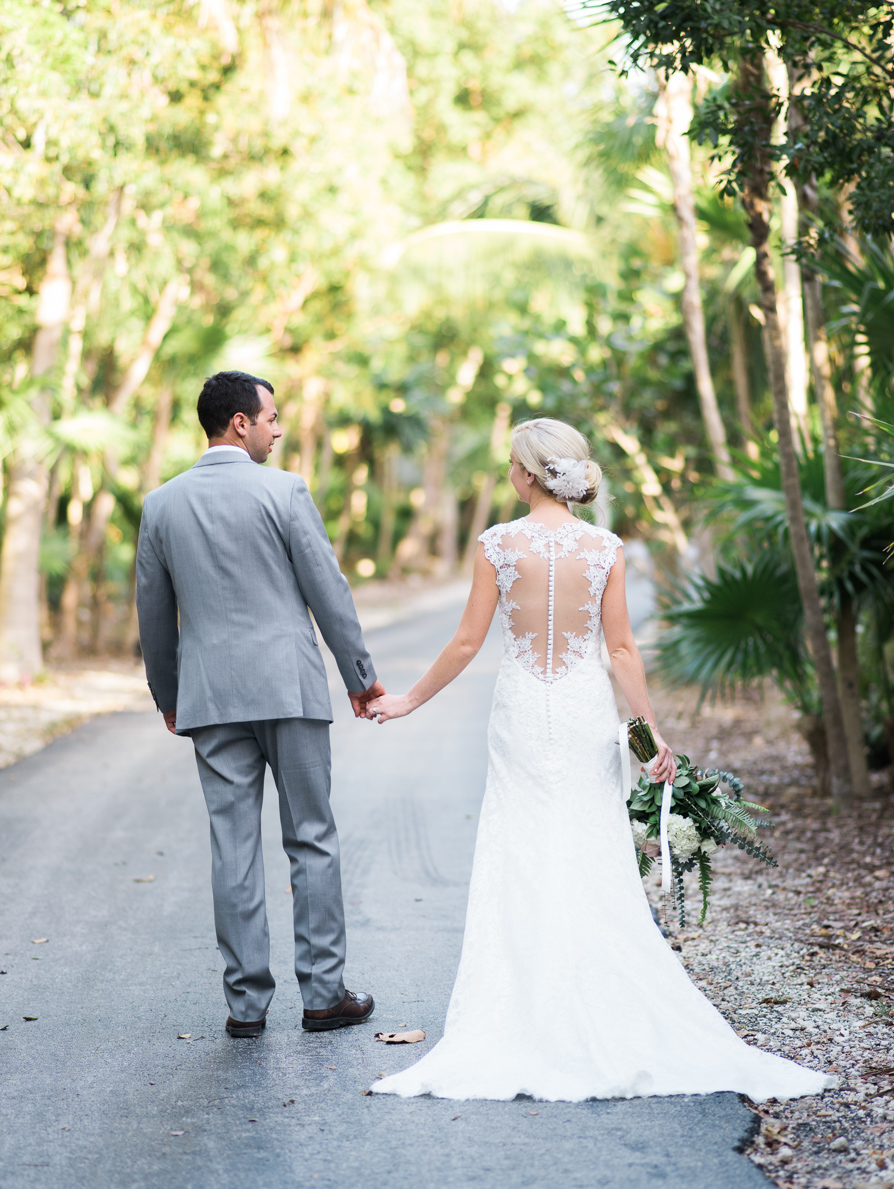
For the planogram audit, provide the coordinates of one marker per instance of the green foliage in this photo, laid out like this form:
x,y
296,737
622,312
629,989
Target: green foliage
x,y
886,465
746,624
863,285
842,46
743,625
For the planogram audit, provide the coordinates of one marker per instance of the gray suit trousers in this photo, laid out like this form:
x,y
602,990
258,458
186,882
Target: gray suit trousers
x,y
232,760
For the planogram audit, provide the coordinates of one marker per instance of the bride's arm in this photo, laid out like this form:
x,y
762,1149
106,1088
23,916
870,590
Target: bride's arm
x,y
456,655
627,663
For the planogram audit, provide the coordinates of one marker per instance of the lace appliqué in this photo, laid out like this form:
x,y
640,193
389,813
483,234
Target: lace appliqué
x,y
550,545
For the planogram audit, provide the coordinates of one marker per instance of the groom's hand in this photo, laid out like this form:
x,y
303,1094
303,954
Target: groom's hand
x,y
171,721
359,701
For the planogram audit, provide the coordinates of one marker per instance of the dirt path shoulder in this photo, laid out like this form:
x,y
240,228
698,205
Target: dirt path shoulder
x,y
800,958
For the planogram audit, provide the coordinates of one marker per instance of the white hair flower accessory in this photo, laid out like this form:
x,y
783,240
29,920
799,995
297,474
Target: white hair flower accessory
x,y
567,478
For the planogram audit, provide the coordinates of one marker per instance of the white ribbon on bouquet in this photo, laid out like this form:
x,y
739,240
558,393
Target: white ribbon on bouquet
x,y
666,796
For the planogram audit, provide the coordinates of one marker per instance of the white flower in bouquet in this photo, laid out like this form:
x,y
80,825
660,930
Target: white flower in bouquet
x,y
682,835
709,847
639,831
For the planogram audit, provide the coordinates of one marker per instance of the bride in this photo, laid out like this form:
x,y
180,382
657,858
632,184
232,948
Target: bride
x,y
566,989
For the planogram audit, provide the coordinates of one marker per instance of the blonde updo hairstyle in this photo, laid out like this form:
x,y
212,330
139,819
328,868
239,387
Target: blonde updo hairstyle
x,y
535,444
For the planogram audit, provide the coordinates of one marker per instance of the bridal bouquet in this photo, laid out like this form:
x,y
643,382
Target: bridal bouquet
x,y
703,817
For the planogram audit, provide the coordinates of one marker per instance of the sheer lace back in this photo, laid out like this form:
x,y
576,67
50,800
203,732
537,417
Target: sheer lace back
x,y
551,584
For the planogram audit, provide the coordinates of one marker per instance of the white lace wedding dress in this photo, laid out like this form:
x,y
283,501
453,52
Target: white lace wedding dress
x,y
566,989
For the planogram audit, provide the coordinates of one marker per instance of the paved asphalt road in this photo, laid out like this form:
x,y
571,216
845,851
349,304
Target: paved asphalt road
x,y
99,1092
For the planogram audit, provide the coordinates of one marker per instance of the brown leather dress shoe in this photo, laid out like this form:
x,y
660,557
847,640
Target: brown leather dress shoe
x,y
355,1008
245,1028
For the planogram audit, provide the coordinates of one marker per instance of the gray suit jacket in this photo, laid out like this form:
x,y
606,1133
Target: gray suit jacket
x,y
240,551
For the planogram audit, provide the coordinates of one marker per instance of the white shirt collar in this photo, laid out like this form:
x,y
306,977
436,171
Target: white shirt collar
x,y
238,449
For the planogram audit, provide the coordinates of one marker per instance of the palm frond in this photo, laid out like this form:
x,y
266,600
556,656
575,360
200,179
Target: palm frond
x,y
91,432
741,626
867,284
460,263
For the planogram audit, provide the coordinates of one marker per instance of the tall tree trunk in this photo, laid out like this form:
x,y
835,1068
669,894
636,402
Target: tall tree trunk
x,y
388,484
848,662
85,298
754,107
673,112
860,359
510,508
339,545
848,659
821,369
849,685
174,293
791,309
278,72
741,382
21,654
151,478
217,12
446,547
81,494
324,474
414,551
310,427
481,515
658,503
161,429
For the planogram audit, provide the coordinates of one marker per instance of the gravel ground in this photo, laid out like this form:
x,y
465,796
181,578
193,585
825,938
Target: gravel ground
x,y
63,698
800,958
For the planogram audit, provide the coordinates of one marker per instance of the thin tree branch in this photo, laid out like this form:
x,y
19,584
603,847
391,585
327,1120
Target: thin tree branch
x,y
819,30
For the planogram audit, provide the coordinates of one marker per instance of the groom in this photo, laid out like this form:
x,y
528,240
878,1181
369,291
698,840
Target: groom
x,y
239,554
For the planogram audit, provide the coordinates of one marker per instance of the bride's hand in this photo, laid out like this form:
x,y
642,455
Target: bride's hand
x,y
665,767
389,706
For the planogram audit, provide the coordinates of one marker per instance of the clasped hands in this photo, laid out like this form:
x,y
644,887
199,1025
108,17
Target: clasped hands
x,y
376,705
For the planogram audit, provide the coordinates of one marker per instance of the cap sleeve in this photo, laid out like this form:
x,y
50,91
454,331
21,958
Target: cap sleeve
x,y
491,539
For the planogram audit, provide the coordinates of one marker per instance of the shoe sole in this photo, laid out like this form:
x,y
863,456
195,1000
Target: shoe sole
x,y
337,1022
245,1033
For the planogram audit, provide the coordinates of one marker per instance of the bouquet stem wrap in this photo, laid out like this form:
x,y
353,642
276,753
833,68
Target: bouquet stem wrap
x,y
636,734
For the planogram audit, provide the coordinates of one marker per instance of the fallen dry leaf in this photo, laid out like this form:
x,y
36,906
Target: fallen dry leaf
x,y
184,1035
252,1120
178,1133
29,1017
401,1038
366,1093
39,940
145,879
4,1027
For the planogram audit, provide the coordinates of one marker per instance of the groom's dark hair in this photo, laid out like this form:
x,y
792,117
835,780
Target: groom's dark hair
x,y
226,394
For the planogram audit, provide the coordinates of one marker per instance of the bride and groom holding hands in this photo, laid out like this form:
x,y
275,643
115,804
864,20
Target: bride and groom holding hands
x,y
566,989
